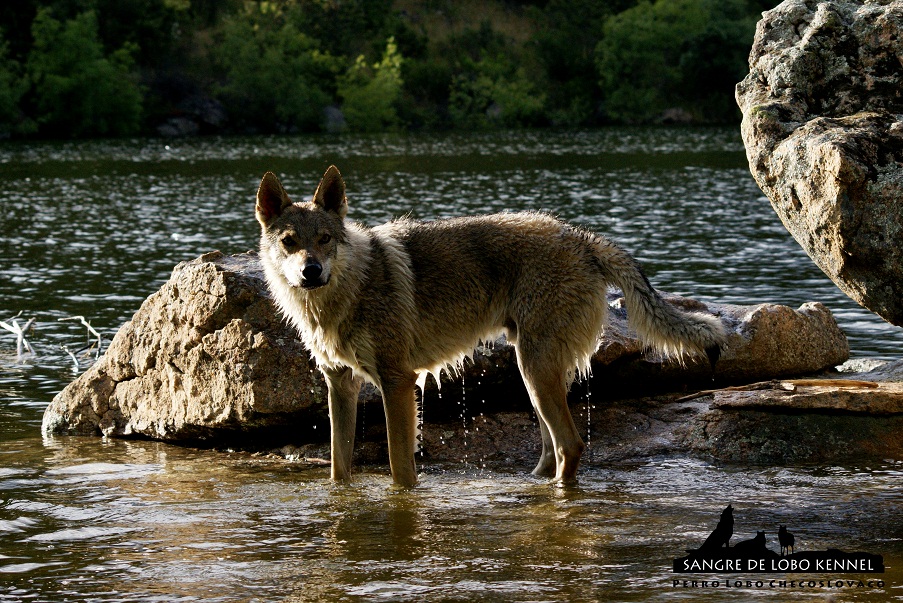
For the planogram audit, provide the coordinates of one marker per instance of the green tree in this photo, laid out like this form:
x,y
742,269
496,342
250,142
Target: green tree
x,y
12,87
344,27
565,40
276,76
488,98
684,54
78,90
491,86
371,92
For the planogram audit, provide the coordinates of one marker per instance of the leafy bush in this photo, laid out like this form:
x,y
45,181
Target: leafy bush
x,y
485,100
370,92
80,91
491,87
683,54
12,88
276,76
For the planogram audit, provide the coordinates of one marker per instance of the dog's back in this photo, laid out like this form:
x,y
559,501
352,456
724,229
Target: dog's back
x,y
526,274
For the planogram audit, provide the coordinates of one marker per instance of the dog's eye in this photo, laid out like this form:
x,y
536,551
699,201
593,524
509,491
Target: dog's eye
x,y
325,239
288,241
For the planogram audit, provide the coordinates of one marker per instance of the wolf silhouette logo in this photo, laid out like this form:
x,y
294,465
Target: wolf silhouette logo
x,y
753,546
786,539
721,536
753,555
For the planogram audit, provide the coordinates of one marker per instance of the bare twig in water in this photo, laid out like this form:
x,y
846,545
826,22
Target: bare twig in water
x,y
91,330
22,345
71,355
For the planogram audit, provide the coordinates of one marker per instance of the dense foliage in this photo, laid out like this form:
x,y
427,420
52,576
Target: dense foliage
x,y
117,67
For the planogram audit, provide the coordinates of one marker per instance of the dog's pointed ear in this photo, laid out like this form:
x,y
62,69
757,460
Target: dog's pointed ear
x,y
271,199
330,193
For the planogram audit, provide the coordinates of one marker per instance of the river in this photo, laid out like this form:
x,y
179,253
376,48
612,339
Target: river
x,y
92,228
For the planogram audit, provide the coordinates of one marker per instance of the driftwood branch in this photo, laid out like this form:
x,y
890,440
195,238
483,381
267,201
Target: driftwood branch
x,y
22,345
71,355
786,384
91,331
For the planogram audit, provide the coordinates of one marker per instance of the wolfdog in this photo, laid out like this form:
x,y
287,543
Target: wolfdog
x,y
405,298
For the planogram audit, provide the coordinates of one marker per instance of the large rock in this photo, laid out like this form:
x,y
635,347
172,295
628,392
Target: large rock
x,y
764,341
823,128
820,420
204,357
207,358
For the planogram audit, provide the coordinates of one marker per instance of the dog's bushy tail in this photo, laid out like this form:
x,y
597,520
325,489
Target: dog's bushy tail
x,y
662,326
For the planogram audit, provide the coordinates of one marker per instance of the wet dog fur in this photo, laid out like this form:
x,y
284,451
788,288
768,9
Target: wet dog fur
x,y
390,303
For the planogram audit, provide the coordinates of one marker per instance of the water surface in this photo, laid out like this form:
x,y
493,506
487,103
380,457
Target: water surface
x,y
142,521
92,228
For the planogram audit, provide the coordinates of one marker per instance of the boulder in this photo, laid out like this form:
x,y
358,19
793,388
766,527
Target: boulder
x,y
207,358
203,358
776,423
179,126
832,418
823,129
764,341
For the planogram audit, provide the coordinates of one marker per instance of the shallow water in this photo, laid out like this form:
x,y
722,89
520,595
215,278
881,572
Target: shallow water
x,y
93,228
140,521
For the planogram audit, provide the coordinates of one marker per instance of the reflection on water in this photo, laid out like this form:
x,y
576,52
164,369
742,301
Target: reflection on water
x,y
93,228
89,521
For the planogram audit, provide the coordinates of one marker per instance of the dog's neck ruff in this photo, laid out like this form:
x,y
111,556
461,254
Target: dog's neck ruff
x,y
318,314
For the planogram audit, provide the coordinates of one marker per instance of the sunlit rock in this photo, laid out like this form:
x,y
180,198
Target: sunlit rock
x,y
823,128
205,357
839,417
764,341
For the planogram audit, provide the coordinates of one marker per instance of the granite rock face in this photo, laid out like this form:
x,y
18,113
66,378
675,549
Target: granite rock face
x,y
823,128
207,358
204,357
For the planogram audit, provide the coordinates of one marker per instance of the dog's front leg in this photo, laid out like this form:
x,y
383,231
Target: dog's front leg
x,y
344,388
401,425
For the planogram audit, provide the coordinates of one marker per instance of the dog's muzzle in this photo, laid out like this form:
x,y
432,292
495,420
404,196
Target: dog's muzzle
x,y
312,276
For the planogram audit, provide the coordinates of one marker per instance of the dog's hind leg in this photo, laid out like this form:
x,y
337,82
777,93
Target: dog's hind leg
x,y
548,391
401,425
344,388
546,466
